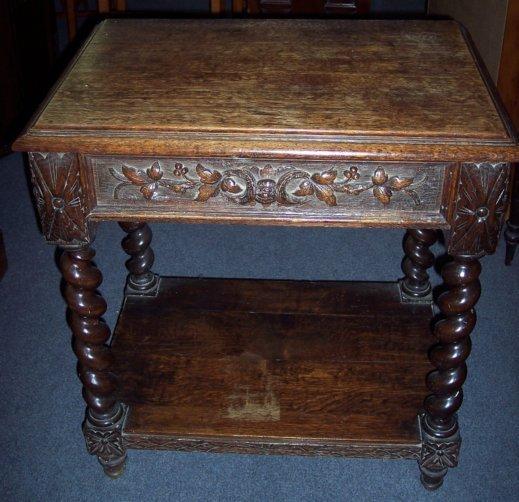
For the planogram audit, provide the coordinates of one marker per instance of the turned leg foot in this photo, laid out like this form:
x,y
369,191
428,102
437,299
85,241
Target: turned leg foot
x,y
141,280
431,481
415,286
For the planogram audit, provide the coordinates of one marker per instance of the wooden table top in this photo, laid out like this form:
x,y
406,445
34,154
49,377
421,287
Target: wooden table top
x,y
353,87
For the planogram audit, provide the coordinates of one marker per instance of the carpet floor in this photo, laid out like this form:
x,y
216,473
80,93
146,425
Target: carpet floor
x,y
42,453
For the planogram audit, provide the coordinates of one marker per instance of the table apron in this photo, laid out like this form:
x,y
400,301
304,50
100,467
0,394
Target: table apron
x,y
271,192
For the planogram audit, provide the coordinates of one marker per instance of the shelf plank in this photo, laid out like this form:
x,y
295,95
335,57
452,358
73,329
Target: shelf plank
x,y
274,366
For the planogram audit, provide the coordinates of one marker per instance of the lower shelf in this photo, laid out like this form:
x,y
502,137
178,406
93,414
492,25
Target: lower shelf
x,y
331,368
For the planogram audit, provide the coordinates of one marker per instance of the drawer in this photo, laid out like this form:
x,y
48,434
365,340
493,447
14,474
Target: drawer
x,y
280,191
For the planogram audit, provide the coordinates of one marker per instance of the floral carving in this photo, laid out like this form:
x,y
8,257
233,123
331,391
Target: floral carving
x,y
479,211
251,185
105,444
438,455
106,441
59,197
384,186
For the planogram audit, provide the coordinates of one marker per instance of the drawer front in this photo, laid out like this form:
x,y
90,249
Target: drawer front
x,y
299,191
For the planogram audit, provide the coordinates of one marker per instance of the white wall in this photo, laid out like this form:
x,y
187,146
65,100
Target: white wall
x,y
485,19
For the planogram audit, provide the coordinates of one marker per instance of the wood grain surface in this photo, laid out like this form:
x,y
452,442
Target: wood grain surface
x,y
261,362
149,84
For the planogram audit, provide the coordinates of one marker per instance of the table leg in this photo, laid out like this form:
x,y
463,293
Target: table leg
x,y
439,423
141,281
105,414
476,220
415,286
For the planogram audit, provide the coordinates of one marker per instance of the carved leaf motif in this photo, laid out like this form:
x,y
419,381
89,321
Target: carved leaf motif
x,y
155,172
134,175
148,190
397,183
117,175
413,195
325,194
379,177
205,192
305,188
207,175
325,178
229,185
383,194
278,186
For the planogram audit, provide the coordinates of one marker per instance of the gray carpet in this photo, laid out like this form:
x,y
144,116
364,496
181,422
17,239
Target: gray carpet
x,y
42,451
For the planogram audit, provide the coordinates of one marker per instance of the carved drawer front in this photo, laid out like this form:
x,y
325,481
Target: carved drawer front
x,y
298,191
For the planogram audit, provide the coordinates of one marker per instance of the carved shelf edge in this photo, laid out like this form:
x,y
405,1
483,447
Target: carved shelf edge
x,y
60,198
266,447
482,195
431,453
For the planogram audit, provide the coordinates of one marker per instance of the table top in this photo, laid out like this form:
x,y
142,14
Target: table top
x,y
351,87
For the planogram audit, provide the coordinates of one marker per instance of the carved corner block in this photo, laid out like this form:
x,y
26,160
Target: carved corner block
x,y
481,198
60,198
106,442
438,455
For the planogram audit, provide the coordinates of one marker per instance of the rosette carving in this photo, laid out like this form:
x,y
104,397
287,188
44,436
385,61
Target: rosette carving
x,y
59,197
480,206
438,455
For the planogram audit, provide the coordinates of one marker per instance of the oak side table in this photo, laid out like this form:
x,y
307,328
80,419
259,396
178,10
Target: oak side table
x,y
274,122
